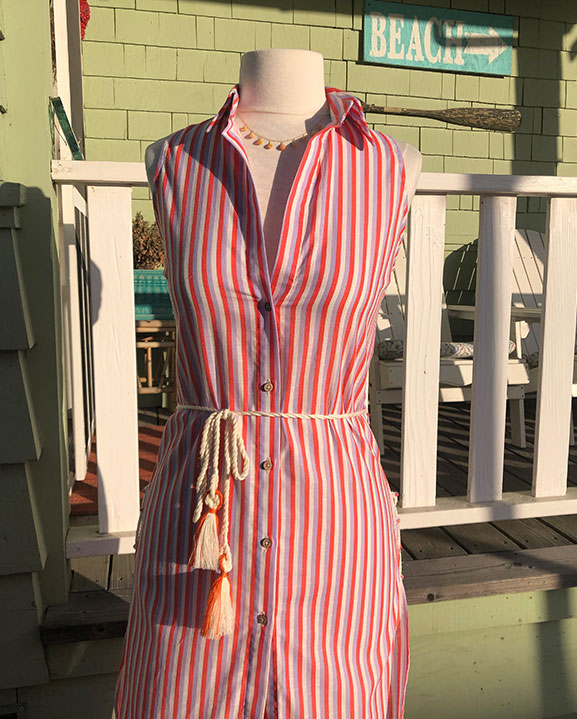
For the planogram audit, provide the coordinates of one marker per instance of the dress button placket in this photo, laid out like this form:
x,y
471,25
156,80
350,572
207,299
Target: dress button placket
x,y
266,464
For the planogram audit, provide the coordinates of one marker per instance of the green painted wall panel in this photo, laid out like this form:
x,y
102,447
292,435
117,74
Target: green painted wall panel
x,y
15,326
22,660
511,672
106,124
502,610
205,33
20,434
82,659
38,425
19,525
88,697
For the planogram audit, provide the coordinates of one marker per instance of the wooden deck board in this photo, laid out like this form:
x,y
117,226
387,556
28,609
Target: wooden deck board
x,y
121,571
103,614
531,533
87,615
90,573
565,524
429,543
488,574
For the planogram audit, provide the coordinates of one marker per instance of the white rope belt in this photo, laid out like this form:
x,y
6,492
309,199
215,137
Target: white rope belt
x,y
210,551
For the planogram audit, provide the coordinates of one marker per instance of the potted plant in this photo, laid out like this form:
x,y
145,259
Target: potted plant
x,y
151,298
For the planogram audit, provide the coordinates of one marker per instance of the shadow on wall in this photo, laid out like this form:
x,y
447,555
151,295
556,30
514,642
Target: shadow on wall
x,y
537,145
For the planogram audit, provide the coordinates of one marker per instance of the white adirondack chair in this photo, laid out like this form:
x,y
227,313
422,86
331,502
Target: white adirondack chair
x,y
456,374
528,273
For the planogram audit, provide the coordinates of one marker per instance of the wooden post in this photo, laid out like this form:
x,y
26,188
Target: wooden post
x,y
76,305
113,328
491,348
558,324
421,351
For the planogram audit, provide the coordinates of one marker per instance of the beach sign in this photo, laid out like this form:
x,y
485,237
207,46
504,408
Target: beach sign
x,y
437,38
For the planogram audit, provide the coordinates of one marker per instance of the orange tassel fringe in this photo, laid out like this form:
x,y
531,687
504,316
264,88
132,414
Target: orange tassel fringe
x,y
219,617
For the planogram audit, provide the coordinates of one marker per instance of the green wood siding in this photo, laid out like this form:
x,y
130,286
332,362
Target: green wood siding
x,y
34,571
511,656
153,66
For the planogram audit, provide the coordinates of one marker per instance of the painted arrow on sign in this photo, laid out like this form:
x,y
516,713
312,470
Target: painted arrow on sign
x,y
491,45
437,38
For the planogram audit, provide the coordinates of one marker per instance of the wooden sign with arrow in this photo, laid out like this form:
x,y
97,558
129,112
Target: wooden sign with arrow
x,y
437,38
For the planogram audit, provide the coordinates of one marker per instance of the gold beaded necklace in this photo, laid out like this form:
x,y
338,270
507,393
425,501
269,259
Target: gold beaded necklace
x,y
292,142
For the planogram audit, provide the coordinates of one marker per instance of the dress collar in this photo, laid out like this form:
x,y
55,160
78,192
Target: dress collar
x,y
340,103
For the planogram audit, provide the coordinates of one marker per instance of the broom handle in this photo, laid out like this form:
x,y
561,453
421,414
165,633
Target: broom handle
x,y
488,118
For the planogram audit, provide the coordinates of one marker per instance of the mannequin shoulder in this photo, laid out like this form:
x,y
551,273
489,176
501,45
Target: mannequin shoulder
x,y
152,157
410,154
154,150
413,164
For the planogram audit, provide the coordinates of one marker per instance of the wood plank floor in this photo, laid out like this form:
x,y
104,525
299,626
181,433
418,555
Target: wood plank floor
x,y
439,563
452,459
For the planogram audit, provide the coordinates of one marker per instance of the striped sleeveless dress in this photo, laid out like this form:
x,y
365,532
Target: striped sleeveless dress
x,y
306,584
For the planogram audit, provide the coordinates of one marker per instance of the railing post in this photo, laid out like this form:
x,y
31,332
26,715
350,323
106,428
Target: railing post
x,y
75,304
556,355
491,347
421,351
115,387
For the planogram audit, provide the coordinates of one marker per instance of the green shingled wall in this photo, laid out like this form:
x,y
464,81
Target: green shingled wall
x,y
34,571
154,66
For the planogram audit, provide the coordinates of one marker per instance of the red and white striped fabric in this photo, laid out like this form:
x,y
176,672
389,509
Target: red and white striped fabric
x,y
320,614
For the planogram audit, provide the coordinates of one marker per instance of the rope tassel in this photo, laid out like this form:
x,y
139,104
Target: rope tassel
x,y
205,552
219,617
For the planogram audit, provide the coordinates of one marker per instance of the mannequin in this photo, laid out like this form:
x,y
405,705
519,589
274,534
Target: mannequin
x,y
296,347
282,96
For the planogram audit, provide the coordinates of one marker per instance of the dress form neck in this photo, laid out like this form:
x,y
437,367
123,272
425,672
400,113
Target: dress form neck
x,y
281,96
281,89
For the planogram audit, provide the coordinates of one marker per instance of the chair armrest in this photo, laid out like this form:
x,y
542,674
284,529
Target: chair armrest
x,y
464,312
467,312
528,314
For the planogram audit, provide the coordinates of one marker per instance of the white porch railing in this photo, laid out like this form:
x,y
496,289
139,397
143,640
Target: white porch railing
x,y
111,290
